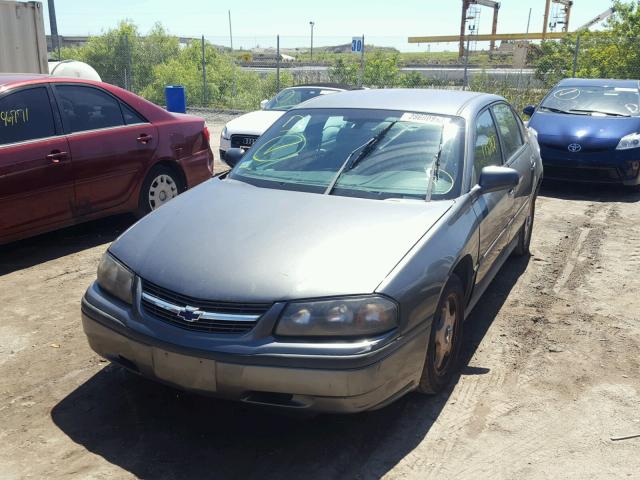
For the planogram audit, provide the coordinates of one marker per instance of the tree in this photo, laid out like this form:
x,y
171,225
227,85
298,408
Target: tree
x,y
608,53
122,57
344,72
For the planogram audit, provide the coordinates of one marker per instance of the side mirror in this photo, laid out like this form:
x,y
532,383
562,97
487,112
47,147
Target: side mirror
x,y
495,179
263,104
233,156
529,110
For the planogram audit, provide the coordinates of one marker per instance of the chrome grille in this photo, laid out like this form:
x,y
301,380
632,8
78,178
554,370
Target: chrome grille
x,y
200,315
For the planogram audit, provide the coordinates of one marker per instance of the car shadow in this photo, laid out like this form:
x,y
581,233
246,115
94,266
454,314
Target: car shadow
x,y
59,243
588,192
153,431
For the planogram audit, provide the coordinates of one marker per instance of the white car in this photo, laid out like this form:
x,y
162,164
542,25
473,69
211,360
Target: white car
x,y
242,132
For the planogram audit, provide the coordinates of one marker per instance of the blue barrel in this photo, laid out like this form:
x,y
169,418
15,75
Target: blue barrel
x,y
176,98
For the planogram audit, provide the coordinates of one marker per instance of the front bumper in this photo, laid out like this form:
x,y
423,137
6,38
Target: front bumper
x,y
612,167
349,383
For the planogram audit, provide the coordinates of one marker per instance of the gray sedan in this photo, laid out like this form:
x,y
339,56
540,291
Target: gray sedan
x,y
333,267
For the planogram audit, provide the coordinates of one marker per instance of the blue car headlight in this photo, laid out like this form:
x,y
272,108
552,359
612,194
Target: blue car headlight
x,y
115,278
347,316
629,141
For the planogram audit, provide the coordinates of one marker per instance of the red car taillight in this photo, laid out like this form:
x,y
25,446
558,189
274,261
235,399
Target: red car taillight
x,y
206,134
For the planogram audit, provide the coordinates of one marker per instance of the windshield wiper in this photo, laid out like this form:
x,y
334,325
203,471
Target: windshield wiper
x,y
370,145
365,149
613,114
554,110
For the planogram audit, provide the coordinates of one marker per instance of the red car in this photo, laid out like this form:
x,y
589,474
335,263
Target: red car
x,y
74,150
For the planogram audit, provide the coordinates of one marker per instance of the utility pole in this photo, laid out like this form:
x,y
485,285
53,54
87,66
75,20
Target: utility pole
x,y
575,56
204,75
233,88
545,25
361,73
53,24
312,25
278,64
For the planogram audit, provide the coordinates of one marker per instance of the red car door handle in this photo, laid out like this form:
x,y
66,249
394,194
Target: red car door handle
x,y
144,138
56,156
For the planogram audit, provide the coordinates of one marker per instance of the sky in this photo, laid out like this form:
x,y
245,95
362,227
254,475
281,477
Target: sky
x,y
256,22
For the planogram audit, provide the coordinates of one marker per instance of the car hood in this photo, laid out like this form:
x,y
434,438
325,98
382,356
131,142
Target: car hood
x,y
557,129
229,241
253,123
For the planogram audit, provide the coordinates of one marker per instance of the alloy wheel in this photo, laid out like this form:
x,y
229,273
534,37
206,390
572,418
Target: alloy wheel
x,y
444,334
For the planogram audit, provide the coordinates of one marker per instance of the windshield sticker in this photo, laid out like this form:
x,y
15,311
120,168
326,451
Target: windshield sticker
x,y
567,94
632,107
424,118
10,118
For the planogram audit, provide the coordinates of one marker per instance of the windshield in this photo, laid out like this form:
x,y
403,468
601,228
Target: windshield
x,y
599,101
290,97
363,153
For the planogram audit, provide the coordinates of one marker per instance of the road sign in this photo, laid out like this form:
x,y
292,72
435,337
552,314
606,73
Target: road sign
x,y
356,45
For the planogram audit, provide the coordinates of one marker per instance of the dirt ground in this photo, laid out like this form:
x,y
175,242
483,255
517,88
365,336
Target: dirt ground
x,y
550,373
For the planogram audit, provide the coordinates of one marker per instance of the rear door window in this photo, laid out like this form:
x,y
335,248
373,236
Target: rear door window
x,y
87,108
509,129
26,115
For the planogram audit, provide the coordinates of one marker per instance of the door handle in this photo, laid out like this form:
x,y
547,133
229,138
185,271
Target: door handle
x,y
56,155
144,138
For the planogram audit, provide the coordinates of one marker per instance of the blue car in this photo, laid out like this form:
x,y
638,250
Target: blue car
x,y
589,131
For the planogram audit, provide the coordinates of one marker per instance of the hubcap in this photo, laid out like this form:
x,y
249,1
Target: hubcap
x,y
444,335
162,189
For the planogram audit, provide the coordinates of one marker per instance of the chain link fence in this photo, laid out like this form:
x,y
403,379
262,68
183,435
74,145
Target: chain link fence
x,y
220,78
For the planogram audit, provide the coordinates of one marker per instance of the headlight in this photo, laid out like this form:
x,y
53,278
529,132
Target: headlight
x,y
349,316
629,141
225,134
115,278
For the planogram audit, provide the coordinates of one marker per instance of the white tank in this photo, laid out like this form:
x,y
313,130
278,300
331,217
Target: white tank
x,y
74,69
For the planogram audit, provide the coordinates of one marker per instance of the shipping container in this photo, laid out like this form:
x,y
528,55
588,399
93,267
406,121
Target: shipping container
x,y
23,45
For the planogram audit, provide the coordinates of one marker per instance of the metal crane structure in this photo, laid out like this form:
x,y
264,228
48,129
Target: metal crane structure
x,y
561,16
465,17
603,16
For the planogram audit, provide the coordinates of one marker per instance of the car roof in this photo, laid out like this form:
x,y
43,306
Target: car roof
x,y
11,78
598,82
443,102
329,86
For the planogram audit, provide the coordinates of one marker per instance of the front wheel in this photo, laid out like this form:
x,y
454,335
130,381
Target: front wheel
x,y
445,339
161,185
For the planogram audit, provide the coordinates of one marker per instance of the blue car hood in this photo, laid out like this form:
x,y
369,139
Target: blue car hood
x,y
559,129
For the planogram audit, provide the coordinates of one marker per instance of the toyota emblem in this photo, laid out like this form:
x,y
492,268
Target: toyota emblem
x,y
574,147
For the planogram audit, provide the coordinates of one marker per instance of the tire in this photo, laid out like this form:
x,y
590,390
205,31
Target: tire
x,y
160,185
442,354
524,237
